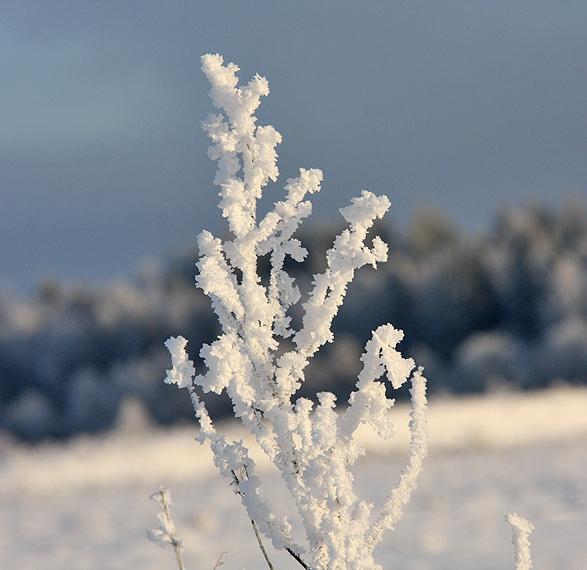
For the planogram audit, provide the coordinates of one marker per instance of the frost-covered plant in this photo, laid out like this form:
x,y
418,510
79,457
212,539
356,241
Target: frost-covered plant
x,y
166,533
521,529
312,445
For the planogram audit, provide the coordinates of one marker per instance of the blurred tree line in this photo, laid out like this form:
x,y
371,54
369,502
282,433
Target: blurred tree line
x,y
504,310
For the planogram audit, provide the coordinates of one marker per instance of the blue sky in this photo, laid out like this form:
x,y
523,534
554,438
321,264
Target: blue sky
x,y
467,107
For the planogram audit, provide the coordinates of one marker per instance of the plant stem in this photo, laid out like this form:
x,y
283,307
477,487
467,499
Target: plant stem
x,y
173,540
261,545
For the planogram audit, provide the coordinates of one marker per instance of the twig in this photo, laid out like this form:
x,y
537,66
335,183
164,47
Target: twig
x,y
219,561
298,558
174,542
236,482
261,545
521,529
165,534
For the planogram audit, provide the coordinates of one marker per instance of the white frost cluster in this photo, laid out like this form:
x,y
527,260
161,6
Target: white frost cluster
x,y
166,533
312,446
521,529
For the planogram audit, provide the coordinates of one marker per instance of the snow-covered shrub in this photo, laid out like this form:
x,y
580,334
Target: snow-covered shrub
x,y
562,355
259,359
490,360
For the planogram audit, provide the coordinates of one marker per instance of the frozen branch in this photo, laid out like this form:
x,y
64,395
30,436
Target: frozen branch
x,y
521,529
312,445
166,533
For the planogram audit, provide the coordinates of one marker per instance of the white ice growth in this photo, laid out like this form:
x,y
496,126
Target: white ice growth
x,y
166,533
183,368
312,446
521,529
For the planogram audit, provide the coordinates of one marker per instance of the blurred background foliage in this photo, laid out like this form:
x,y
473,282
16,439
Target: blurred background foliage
x,y
505,310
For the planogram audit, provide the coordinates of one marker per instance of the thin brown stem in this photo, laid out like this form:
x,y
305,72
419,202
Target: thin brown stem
x,y
174,542
236,482
261,545
219,561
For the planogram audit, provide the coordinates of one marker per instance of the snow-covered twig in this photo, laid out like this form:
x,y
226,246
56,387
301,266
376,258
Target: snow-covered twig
x,y
521,529
219,562
311,444
166,533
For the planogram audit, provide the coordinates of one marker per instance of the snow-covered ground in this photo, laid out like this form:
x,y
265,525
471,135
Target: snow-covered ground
x,y
85,505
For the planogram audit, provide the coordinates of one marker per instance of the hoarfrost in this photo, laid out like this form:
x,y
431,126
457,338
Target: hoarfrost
x,y
311,444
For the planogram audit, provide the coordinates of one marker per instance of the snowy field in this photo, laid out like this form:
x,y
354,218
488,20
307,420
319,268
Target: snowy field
x,y
85,505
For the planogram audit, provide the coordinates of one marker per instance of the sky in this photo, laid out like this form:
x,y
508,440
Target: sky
x,y
465,107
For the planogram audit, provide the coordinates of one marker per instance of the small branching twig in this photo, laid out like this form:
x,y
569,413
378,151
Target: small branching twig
x,y
261,545
219,562
236,482
165,534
